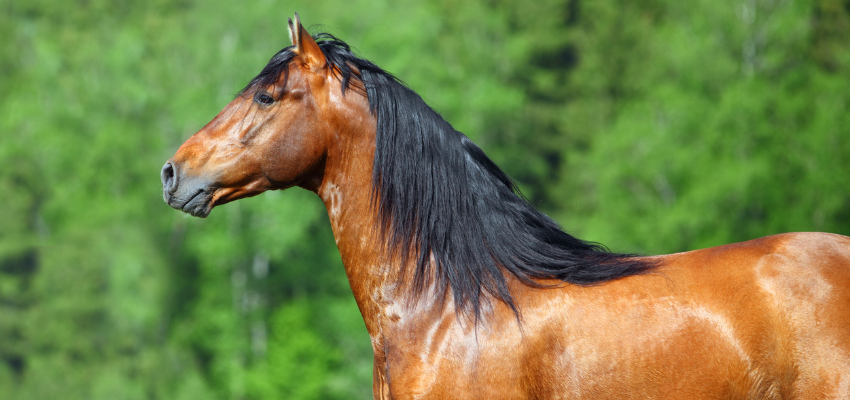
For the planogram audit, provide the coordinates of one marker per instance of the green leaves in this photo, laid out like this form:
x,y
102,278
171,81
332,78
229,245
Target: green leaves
x,y
652,126
716,145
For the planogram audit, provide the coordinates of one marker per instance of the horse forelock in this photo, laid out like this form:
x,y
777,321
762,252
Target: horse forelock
x,y
347,66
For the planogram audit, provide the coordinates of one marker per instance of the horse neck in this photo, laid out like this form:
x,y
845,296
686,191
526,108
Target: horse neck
x,y
346,191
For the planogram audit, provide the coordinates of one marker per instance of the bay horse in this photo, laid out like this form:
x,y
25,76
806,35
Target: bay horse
x,y
468,292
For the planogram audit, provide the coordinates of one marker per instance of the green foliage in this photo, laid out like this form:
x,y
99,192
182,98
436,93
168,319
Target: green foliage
x,y
648,125
303,362
734,132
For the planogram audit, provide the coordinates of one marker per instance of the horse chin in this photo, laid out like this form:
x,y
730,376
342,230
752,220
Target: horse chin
x,y
200,208
197,204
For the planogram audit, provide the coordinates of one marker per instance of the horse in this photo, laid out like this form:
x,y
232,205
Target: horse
x,y
468,292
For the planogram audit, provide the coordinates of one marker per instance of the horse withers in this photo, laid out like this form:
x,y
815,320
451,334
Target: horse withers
x,y
468,292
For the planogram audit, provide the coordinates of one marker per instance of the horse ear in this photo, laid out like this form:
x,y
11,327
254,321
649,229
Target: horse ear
x,y
305,46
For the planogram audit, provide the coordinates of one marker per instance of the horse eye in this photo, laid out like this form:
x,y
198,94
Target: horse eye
x,y
264,98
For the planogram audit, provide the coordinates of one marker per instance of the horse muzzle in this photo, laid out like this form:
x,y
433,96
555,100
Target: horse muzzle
x,y
188,194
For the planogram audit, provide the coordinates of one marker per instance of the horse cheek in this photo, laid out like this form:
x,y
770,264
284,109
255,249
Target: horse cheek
x,y
289,162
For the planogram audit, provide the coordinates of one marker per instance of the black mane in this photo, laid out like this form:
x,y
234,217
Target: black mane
x,y
438,195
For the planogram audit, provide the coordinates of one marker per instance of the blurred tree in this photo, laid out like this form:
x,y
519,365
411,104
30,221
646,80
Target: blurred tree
x,y
732,133
648,125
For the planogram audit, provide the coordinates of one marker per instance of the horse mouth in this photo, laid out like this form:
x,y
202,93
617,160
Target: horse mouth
x,y
199,204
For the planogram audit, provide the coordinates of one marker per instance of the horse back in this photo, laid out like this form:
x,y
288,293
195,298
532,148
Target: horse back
x,y
803,280
763,319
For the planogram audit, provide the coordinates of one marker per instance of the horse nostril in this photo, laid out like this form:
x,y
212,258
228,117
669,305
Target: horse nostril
x,y
167,176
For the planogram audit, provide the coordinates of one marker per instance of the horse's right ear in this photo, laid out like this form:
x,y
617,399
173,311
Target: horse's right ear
x,y
305,46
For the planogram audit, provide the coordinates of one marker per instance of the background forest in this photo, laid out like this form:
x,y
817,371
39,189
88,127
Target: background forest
x,y
651,126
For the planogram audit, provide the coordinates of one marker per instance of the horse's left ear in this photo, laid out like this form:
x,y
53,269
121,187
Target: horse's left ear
x,y
305,46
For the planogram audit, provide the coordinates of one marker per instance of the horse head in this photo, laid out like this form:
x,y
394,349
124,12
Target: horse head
x,y
274,135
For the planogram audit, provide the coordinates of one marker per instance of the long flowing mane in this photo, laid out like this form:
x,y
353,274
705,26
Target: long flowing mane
x,y
443,205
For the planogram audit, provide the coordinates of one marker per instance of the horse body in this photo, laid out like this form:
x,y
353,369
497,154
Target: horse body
x,y
763,319
755,320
